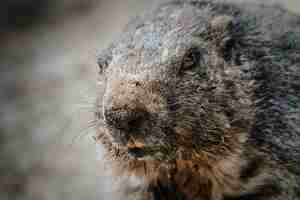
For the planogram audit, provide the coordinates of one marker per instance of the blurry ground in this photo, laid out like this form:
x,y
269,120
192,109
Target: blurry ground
x,y
47,80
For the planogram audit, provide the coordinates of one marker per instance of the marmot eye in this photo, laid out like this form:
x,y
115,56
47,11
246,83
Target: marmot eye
x,y
191,59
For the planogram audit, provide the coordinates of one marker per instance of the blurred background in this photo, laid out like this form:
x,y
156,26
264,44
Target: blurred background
x,y
48,71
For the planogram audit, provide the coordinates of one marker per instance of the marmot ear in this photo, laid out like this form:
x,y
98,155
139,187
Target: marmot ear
x,y
223,31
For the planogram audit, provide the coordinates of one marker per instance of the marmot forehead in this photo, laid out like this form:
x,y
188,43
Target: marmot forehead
x,y
147,37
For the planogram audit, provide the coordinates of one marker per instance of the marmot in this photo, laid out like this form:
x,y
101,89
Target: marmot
x,y
201,100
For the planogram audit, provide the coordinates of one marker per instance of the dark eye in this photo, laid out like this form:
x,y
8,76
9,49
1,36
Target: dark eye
x,y
102,65
190,60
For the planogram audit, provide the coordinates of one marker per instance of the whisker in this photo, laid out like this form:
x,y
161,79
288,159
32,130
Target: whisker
x,y
85,131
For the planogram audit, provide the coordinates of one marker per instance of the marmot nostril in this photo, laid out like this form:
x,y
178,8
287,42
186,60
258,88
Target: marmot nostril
x,y
125,118
137,83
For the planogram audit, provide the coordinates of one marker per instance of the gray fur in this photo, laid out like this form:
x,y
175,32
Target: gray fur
x,y
246,78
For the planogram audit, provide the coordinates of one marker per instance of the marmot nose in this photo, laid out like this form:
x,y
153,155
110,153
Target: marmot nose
x,y
125,117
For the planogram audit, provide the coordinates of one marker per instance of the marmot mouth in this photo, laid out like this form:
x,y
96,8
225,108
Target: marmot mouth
x,y
136,148
136,152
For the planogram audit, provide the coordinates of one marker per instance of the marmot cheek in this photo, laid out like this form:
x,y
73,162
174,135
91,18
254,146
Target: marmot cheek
x,y
156,104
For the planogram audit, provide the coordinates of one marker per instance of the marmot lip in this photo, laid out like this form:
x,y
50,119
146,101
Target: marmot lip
x,y
132,144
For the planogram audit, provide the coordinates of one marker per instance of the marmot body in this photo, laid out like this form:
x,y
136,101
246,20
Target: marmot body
x,y
201,100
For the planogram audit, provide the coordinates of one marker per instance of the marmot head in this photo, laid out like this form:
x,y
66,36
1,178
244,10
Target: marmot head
x,y
175,88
